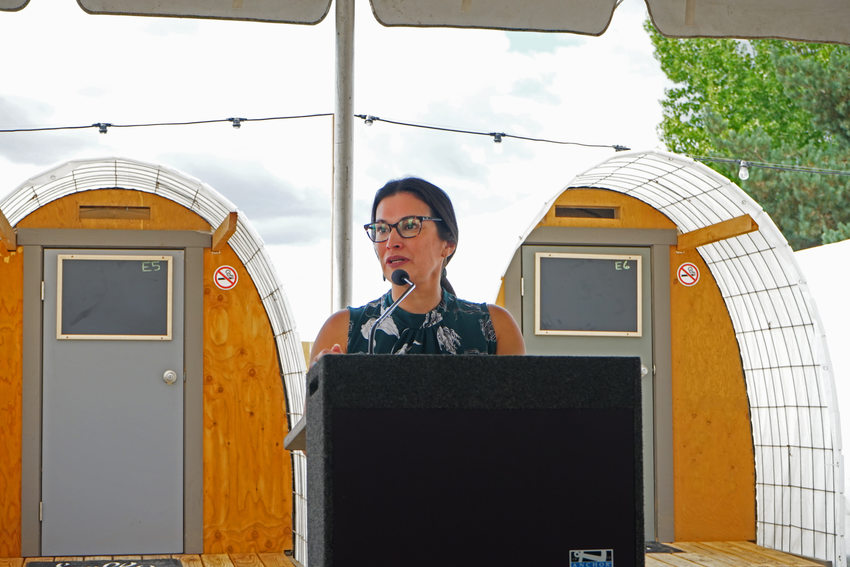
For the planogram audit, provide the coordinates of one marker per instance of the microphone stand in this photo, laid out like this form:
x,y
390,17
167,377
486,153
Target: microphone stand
x,y
399,277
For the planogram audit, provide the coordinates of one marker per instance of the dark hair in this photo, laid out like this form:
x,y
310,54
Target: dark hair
x,y
439,203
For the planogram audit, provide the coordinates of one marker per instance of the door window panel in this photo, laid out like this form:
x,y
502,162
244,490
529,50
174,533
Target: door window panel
x,y
114,297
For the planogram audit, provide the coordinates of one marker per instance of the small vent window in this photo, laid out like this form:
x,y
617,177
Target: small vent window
x,y
109,212
587,212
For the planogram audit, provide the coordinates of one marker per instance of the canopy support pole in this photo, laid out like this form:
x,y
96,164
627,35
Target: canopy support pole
x,y
341,217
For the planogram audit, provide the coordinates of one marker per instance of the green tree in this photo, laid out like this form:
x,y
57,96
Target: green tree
x,y
771,102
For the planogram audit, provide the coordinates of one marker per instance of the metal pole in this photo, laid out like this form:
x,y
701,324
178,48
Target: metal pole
x,y
341,218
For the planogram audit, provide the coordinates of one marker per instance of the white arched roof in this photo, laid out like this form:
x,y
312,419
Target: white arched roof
x,y
117,173
789,381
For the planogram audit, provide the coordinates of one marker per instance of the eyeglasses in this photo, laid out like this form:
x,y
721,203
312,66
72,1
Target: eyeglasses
x,y
408,227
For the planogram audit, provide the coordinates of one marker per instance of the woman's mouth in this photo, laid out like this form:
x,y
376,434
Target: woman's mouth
x,y
395,261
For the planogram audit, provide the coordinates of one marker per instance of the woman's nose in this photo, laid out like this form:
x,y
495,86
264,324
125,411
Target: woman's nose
x,y
394,240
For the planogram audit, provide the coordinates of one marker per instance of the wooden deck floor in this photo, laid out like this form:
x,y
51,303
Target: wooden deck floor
x,y
725,554
693,554
207,560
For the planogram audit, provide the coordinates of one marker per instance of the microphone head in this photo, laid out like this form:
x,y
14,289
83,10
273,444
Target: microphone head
x,y
400,277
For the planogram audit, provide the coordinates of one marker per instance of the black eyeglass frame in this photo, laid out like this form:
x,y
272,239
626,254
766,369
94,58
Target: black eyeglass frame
x,y
392,226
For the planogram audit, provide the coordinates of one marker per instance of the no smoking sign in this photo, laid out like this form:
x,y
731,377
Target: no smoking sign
x,y
688,274
225,277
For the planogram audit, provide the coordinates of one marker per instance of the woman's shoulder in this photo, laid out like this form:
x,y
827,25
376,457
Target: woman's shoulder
x,y
332,337
454,303
366,310
508,333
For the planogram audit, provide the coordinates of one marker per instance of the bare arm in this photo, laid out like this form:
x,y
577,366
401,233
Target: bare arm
x,y
508,336
332,337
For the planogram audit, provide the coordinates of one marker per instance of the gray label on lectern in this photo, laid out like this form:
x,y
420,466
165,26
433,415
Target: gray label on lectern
x,y
591,558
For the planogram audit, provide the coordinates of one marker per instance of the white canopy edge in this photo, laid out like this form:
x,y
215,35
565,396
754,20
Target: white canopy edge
x,y
798,20
12,5
290,11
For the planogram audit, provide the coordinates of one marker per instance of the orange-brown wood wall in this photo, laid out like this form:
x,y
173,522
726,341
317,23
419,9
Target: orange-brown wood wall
x,y
713,462
11,342
247,472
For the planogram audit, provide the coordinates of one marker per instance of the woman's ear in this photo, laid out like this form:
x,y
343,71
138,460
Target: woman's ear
x,y
448,248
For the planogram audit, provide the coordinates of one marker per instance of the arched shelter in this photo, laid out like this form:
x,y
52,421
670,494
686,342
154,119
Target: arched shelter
x,y
242,360
745,425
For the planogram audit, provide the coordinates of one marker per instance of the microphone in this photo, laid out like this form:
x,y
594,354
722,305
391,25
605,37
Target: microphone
x,y
398,277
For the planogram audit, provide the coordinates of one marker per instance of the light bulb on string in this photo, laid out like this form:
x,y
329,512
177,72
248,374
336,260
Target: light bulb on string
x,y
497,139
744,171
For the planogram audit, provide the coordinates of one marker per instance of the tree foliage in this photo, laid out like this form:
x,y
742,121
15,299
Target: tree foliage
x,y
772,102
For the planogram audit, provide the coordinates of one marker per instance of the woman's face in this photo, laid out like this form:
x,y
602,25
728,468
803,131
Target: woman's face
x,y
421,256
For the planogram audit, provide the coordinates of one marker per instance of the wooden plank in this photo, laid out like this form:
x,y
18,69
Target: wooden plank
x,y
678,560
743,557
752,550
11,562
715,232
224,231
189,560
276,560
672,560
216,560
758,554
7,234
245,560
698,554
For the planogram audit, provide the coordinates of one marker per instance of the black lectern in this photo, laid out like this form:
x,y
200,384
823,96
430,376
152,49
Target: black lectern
x,y
474,460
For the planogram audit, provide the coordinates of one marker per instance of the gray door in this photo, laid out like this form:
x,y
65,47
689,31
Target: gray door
x,y
606,311
112,416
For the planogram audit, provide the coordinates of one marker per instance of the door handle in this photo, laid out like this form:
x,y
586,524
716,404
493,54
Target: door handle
x,y
169,377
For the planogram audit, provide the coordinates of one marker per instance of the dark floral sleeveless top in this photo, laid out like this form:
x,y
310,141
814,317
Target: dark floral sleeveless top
x,y
455,326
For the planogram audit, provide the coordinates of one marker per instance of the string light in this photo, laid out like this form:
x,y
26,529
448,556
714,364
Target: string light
x,y
744,166
103,126
497,136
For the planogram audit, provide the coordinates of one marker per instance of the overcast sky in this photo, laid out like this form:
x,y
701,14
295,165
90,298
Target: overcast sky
x,y
63,67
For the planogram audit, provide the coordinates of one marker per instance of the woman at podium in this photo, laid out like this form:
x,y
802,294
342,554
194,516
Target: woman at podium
x,y
415,234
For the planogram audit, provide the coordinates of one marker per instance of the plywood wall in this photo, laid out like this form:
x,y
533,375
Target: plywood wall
x,y
11,341
714,466
65,212
247,483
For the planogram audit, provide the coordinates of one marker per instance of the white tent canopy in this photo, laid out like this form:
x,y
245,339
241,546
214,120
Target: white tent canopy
x,y
789,380
805,20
